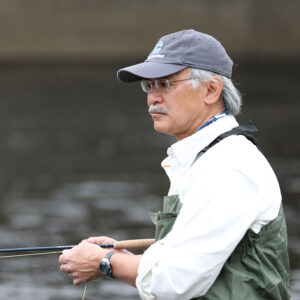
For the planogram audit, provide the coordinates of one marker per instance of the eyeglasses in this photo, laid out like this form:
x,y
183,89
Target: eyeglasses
x,y
160,84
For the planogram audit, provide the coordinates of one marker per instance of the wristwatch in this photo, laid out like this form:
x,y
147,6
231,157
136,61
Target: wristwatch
x,y
105,266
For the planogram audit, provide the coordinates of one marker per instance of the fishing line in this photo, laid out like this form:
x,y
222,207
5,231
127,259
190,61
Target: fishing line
x,y
83,296
34,254
28,254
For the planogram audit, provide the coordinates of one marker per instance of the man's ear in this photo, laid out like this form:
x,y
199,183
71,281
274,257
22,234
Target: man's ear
x,y
214,90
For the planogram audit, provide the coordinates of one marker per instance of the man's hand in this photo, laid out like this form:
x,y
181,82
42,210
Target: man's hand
x,y
82,262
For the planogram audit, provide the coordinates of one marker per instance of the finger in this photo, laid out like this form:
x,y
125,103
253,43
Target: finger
x,y
100,240
77,281
97,240
109,241
62,259
65,269
75,275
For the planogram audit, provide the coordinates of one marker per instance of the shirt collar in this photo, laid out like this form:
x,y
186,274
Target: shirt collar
x,y
186,150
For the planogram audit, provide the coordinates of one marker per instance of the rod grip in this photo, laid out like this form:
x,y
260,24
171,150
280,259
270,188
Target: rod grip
x,y
141,244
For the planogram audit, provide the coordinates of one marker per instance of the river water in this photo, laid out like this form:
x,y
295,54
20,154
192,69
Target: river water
x,y
79,158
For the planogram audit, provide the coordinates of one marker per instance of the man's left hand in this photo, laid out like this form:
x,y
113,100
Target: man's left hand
x,y
82,262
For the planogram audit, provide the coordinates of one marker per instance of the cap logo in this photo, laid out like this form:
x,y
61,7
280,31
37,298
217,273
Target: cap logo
x,y
156,50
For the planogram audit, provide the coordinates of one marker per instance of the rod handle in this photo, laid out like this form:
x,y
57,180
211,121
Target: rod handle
x,y
141,244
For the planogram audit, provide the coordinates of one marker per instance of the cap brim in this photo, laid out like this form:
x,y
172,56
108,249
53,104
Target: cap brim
x,y
148,69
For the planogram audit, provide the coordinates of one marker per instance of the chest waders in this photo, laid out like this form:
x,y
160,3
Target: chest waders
x,y
258,268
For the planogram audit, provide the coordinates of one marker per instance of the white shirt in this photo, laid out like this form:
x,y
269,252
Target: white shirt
x,y
228,190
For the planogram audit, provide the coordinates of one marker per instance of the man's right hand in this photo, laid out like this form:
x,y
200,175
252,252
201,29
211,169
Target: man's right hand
x,y
106,240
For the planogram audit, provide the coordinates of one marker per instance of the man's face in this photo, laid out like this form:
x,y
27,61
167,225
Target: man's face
x,y
181,109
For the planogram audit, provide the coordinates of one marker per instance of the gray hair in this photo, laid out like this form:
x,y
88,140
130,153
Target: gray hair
x,y
231,97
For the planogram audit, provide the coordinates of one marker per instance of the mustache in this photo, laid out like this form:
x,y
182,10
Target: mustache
x,y
155,108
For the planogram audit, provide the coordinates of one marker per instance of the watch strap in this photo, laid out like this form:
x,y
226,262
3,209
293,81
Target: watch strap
x,y
110,254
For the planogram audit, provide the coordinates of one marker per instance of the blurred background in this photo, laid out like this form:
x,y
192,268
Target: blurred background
x,y
78,154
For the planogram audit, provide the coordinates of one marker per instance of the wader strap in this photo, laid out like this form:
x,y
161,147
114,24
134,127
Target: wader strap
x,y
239,130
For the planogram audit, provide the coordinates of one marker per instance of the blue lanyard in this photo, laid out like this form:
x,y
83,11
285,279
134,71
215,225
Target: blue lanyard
x,y
213,119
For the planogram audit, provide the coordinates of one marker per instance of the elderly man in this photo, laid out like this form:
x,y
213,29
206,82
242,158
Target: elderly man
x,y
222,232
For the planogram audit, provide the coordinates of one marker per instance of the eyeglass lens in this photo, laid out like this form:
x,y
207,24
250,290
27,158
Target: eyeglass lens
x,y
147,85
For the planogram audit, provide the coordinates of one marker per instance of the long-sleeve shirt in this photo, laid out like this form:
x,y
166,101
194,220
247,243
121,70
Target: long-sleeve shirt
x,y
228,190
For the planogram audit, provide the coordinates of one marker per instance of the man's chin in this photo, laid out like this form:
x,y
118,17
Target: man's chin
x,y
162,129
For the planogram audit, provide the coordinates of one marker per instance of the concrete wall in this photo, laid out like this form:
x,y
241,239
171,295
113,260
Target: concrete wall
x,y
101,29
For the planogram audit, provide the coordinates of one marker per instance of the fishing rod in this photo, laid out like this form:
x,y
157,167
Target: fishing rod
x,y
140,244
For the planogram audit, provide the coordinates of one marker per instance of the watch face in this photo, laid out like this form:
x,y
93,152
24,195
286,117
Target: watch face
x,y
104,268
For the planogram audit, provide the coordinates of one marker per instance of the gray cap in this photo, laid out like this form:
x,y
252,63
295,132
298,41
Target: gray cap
x,y
177,51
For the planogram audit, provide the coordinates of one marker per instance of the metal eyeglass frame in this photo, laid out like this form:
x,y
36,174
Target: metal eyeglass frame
x,y
160,84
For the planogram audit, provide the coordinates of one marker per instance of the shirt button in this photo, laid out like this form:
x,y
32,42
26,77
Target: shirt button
x,y
170,151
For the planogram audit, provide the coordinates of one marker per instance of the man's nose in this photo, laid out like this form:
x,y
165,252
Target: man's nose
x,y
154,97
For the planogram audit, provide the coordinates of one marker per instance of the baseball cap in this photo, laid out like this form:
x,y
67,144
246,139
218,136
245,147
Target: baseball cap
x,y
177,51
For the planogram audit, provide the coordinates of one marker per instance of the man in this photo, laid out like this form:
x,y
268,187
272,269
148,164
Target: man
x,y
222,233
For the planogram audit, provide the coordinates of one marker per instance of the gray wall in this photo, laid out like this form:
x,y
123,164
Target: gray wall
x,y
99,30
